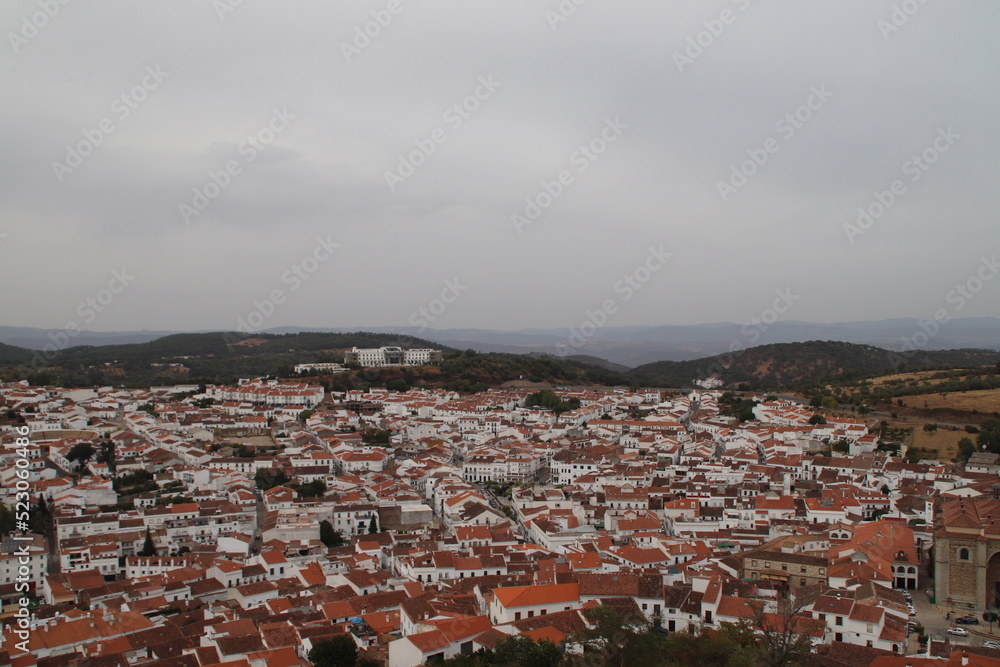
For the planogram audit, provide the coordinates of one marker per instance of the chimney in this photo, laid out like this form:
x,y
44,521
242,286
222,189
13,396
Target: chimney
x,y
965,658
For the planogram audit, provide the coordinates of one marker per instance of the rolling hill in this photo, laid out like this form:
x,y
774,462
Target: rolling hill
x,y
224,357
787,365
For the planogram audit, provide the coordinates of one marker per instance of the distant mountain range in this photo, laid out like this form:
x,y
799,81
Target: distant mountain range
x,y
623,346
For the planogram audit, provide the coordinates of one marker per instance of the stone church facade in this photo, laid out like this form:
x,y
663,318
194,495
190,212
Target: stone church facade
x,y
967,552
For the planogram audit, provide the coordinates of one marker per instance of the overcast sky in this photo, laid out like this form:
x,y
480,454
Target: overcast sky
x,y
115,114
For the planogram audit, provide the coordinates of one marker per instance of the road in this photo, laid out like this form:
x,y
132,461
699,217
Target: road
x,y
932,617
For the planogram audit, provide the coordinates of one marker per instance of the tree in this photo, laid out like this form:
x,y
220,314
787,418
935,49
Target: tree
x,y
991,617
966,448
80,453
521,650
107,454
148,548
268,478
731,645
782,635
817,419
376,437
989,436
6,519
399,384
338,651
617,640
329,536
372,526
317,487
515,651
842,446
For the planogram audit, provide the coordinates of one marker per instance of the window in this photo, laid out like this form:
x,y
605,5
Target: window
x,y
964,554
840,620
802,570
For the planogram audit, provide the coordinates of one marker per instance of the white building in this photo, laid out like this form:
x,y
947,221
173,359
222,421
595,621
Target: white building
x,y
391,356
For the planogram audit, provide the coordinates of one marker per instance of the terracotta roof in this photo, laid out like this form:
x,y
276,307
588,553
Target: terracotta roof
x,y
522,596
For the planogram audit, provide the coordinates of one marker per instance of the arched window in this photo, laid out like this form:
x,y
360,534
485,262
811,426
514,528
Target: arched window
x,y
964,554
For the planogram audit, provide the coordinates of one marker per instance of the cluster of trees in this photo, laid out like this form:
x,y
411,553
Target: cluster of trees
x,y
39,518
338,651
972,382
311,489
329,536
517,650
546,398
268,478
134,482
988,440
989,436
736,406
378,437
618,640
491,369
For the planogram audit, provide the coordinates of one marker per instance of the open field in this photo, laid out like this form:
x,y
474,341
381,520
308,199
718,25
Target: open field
x,y
985,401
905,377
943,443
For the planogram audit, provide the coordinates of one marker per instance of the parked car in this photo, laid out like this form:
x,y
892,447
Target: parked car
x,y
967,620
959,632
913,610
989,643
